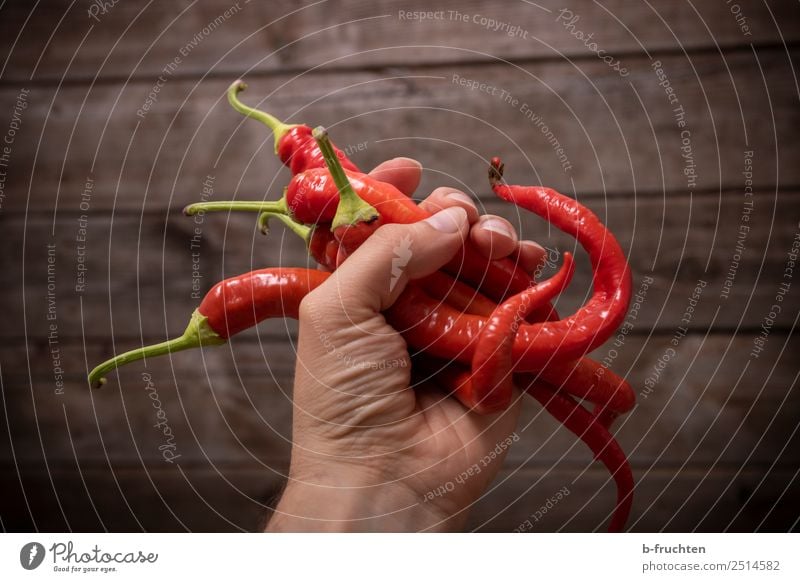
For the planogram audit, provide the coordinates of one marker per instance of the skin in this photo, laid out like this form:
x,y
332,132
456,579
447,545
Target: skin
x,y
368,449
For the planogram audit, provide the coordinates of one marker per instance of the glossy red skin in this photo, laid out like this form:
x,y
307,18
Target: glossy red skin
x,y
352,236
587,379
586,427
442,287
596,321
313,197
460,382
299,151
323,247
493,358
583,378
239,303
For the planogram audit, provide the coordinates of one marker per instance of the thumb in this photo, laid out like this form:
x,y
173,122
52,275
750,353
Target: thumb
x,y
372,278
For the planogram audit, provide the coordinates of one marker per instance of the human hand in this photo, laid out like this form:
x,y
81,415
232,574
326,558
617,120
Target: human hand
x,y
368,448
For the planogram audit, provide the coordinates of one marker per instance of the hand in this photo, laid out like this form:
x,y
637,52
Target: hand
x,y
368,449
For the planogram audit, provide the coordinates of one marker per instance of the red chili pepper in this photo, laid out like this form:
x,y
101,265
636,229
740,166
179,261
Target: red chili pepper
x,y
312,197
606,449
597,320
294,143
492,359
459,295
611,394
589,380
497,278
583,378
230,306
572,415
298,150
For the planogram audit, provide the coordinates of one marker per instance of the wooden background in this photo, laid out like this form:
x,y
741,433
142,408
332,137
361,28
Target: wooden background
x,y
715,445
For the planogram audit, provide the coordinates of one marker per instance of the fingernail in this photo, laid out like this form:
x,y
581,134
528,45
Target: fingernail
x,y
461,197
408,162
448,220
498,226
533,245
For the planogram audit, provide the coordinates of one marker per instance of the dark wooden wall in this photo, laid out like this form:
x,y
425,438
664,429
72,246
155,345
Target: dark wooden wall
x,y
714,445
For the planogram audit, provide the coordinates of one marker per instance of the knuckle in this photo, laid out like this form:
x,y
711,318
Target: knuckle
x,y
312,304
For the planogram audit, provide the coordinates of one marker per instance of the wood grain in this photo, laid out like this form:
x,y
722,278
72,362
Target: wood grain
x,y
235,499
713,439
132,39
619,136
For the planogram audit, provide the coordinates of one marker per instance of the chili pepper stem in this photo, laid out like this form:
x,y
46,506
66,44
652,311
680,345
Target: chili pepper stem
x,y
198,333
272,206
352,208
496,168
279,128
301,230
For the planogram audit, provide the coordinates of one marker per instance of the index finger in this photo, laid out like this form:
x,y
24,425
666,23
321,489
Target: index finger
x,y
402,173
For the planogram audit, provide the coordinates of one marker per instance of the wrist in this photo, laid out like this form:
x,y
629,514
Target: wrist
x,y
337,497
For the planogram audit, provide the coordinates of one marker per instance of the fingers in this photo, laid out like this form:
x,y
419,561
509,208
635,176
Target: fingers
x,y
495,237
530,255
403,173
372,278
445,197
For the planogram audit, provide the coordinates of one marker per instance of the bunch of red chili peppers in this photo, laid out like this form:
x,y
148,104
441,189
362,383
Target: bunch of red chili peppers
x,y
478,326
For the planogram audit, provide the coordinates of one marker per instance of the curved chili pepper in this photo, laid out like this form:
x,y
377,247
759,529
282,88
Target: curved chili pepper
x,y
230,307
599,317
459,381
294,143
492,360
496,278
586,427
241,302
611,395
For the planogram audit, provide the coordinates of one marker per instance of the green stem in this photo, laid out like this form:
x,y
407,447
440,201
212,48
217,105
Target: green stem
x,y
273,206
352,208
301,230
198,333
279,128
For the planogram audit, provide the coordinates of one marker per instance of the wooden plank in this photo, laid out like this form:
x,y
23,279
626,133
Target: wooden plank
x,y
232,404
666,500
143,498
140,40
619,136
155,499
140,272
